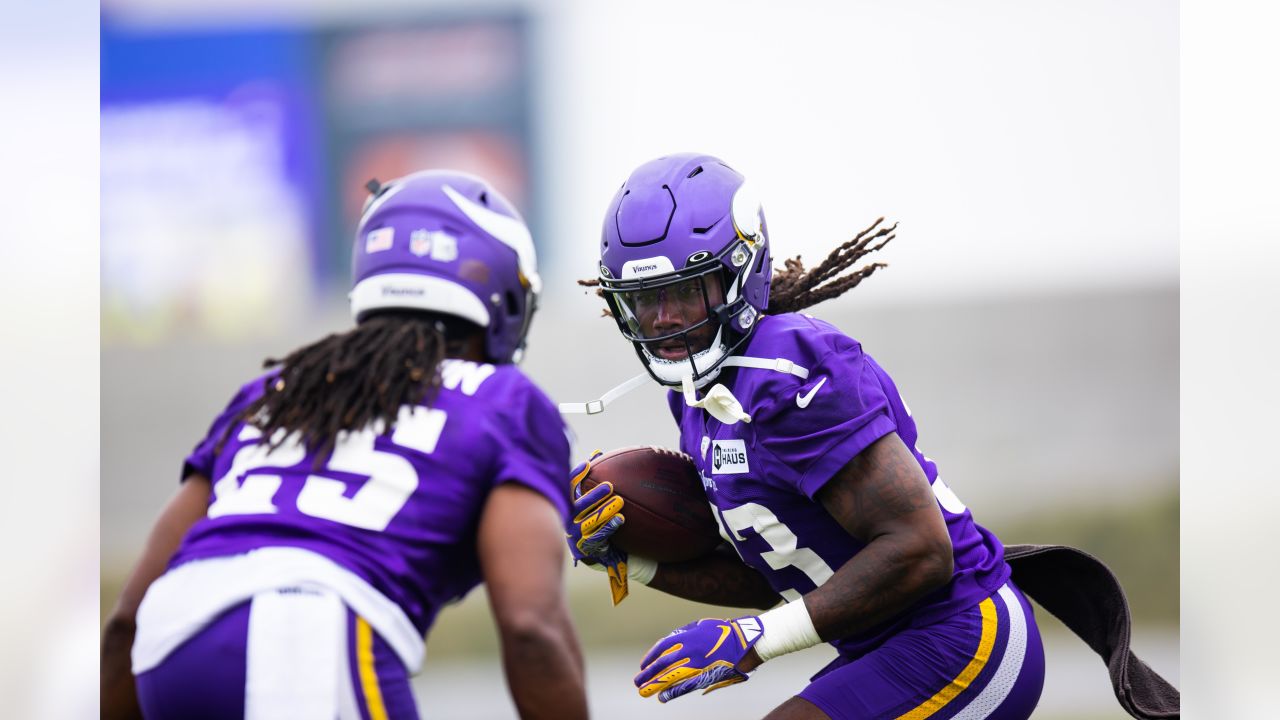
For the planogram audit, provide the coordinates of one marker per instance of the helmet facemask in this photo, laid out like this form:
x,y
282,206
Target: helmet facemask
x,y
678,218
686,323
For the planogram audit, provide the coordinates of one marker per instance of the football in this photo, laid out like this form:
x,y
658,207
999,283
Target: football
x,y
668,516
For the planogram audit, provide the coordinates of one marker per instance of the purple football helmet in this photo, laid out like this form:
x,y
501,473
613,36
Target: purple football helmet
x,y
684,231
447,242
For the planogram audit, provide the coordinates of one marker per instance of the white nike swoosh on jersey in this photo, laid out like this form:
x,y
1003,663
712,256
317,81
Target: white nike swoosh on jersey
x,y
802,401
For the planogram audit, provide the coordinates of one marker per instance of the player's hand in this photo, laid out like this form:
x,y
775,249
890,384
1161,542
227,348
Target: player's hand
x,y
704,655
596,517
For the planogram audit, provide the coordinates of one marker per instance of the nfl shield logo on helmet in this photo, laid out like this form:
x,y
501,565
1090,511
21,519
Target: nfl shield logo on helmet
x,y
439,244
420,242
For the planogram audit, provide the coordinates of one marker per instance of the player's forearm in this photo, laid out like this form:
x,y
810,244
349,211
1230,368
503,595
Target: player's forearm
x,y
720,578
544,670
887,576
883,497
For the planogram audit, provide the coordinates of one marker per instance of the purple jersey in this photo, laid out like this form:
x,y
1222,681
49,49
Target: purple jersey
x,y
400,510
761,477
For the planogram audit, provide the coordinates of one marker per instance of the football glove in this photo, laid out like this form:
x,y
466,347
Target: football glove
x,y
702,655
597,516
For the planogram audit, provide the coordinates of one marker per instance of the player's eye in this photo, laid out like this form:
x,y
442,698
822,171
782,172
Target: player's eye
x,y
644,298
689,292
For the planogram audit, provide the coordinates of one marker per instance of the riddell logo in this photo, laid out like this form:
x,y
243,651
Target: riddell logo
x,y
729,456
400,292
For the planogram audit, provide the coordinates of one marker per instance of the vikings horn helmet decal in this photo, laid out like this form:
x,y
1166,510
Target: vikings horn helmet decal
x,y
447,242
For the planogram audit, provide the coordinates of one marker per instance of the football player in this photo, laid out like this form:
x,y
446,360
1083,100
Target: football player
x,y
365,481
809,458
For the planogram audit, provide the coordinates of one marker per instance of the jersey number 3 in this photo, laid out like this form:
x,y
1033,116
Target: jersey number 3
x,y
250,485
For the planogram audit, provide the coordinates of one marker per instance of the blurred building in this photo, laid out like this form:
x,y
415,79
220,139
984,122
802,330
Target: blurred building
x,y
234,158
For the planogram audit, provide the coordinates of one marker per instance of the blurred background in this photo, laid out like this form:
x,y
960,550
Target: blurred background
x,y
1029,151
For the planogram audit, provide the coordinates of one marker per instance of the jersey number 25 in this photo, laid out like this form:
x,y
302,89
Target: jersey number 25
x,y
249,486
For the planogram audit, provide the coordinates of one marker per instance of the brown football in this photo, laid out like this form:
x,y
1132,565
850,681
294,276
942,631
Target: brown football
x,y
668,516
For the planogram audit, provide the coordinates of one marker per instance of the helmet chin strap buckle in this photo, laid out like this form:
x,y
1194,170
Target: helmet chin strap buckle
x,y
595,407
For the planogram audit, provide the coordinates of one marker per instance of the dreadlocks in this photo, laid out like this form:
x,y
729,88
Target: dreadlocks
x,y
348,380
792,289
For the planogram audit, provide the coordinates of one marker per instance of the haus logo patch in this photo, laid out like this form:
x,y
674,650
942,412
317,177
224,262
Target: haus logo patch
x,y
729,456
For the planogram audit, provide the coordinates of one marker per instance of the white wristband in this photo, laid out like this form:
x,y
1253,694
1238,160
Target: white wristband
x,y
785,630
641,569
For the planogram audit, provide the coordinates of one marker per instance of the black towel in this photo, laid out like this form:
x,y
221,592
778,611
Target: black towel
x,y
1084,594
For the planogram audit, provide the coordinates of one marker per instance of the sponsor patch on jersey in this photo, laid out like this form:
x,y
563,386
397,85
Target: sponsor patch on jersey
x,y
379,240
729,456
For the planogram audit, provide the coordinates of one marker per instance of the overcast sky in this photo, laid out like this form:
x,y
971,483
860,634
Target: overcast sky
x,y
1020,145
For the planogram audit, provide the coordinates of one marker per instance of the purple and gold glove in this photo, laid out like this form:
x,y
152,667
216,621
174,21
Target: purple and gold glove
x,y
702,655
597,516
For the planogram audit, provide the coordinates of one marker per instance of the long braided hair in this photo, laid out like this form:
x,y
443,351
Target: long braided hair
x,y
793,289
348,380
